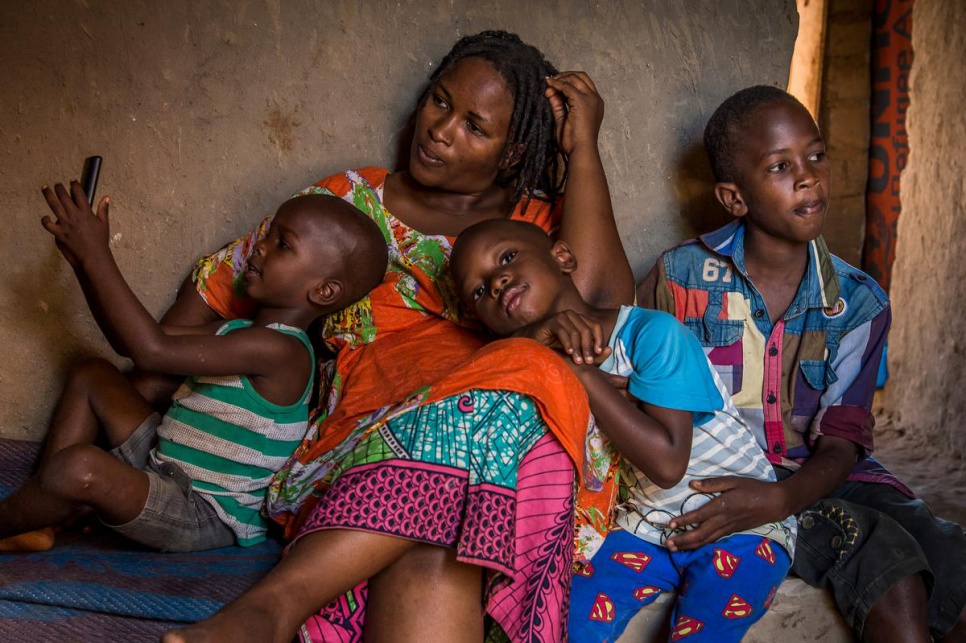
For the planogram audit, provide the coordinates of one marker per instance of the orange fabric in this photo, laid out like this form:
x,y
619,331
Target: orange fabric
x,y
408,343
450,361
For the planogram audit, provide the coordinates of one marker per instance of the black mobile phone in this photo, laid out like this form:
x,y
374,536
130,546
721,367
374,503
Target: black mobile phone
x,y
92,169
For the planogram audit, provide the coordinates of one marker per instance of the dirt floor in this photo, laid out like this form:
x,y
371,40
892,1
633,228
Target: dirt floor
x,y
937,476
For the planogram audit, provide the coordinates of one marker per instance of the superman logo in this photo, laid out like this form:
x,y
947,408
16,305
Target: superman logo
x,y
645,593
603,609
584,569
737,607
686,626
725,563
635,561
764,550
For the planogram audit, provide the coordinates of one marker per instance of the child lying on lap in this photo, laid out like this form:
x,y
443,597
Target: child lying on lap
x,y
681,426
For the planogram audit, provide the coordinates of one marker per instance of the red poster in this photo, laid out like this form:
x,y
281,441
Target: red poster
x,y
889,145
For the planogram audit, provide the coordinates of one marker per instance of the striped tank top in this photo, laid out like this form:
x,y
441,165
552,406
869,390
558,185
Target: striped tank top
x,y
230,440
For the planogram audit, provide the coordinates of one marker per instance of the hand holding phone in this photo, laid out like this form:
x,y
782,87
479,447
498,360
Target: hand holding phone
x,y
92,169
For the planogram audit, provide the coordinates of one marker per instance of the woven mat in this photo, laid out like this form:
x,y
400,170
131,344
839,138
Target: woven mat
x,y
94,585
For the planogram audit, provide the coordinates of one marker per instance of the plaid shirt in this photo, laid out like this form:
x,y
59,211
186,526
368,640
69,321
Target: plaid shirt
x,y
812,372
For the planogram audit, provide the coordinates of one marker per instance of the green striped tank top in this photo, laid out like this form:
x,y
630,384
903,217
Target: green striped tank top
x,y
230,440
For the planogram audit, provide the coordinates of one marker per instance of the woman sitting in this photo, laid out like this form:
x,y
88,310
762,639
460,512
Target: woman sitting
x,y
437,475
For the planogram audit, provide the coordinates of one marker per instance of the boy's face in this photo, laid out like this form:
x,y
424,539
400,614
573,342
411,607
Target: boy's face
x,y
510,280
783,174
288,262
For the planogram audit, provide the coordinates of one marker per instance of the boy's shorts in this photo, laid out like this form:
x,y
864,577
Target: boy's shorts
x,y
723,588
865,537
174,518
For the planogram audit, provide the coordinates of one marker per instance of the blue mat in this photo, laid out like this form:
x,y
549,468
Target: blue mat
x,y
95,586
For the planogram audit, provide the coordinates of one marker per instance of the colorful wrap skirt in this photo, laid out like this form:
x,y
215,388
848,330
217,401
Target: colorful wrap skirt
x,y
479,473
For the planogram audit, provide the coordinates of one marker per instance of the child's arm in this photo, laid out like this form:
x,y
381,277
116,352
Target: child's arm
x,y
189,308
654,439
83,237
603,276
209,328
745,503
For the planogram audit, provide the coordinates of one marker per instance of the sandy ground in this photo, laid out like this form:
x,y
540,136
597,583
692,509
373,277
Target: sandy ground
x,y
937,476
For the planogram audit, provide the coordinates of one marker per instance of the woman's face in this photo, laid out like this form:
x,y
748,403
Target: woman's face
x,y
462,128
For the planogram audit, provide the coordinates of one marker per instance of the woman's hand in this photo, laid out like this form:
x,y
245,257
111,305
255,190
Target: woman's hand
x,y
577,109
580,337
80,233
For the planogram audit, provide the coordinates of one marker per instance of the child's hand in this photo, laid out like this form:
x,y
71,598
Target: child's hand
x,y
579,337
80,233
577,108
742,503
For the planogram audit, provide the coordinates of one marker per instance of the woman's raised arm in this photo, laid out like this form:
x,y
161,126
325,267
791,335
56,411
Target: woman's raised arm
x,y
603,274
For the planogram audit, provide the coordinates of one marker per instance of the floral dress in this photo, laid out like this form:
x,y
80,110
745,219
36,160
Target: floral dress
x,y
424,432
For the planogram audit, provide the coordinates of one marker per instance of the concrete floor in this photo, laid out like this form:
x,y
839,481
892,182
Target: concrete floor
x,y
935,474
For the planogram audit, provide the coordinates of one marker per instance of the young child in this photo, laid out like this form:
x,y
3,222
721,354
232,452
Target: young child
x,y
797,336
196,478
681,426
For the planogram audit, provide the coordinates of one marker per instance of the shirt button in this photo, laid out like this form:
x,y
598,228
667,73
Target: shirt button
x,y
759,313
771,399
836,542
773,351
807,522
777,448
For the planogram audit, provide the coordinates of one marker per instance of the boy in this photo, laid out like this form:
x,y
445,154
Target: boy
x,y
681,427
196,478
797,335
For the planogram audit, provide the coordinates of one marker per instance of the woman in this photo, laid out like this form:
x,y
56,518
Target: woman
x,y
433,459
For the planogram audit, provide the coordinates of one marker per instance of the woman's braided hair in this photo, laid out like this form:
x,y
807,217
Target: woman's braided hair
x,y
524,70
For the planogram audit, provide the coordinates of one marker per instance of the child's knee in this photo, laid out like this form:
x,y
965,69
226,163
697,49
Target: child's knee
x,y
89,372
73,472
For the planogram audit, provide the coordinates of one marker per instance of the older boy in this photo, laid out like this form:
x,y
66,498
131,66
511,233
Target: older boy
x,y
196,478
797,335
681,427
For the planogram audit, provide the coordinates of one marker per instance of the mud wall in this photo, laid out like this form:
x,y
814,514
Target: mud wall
x,y
927,348
210,114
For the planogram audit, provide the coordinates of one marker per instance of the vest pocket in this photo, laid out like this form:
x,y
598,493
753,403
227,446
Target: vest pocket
x,y
817,374
720,332
721,340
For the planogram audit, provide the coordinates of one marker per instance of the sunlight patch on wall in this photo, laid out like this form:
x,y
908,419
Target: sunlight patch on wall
x,y
805,75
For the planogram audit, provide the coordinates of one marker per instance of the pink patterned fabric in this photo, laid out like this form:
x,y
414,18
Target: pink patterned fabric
x,y
414,500
522,537
528,607
341,621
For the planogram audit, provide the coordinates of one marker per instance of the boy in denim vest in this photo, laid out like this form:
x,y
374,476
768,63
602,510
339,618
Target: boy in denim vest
x,y
797,336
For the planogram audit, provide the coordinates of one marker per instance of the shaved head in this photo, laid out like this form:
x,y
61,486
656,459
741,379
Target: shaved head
x,y
350,248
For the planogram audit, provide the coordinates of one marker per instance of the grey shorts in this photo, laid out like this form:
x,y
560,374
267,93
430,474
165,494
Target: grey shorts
x,y
865,537
174,518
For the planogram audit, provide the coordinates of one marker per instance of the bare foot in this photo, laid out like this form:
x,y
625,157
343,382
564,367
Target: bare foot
x,y
233,625
39,540
192,634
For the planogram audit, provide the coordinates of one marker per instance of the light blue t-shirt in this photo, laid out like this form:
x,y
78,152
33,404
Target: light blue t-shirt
x,y
666,366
